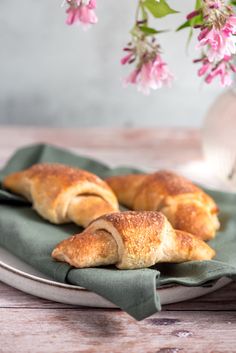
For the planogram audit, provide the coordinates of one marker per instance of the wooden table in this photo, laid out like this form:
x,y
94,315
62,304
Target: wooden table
x,y
30,324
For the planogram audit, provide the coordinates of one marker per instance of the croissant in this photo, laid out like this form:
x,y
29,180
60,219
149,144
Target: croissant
x,y
131,240
185,205
61,194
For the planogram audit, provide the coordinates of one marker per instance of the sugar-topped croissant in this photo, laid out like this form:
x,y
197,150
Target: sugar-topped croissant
x,y
62,194
131,240
185,205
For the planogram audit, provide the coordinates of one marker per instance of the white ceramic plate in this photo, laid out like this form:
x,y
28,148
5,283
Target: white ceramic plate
x,y
17,274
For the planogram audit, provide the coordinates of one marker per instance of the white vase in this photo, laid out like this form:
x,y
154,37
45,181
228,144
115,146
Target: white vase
x,y
219,138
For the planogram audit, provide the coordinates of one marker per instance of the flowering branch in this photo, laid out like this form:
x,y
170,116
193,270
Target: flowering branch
x,y
81,11
217,39
150,72
213,19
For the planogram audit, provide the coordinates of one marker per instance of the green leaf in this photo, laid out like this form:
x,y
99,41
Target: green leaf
x,y
144,13
184,25
198,4
197,20
233,2
150,31
158,8
189,37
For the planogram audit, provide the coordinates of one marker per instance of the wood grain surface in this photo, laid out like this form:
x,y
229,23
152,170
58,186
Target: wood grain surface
x,y
29,324
150,147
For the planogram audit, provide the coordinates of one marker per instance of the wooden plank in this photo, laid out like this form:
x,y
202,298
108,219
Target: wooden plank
x,y
152,148
72,331
223,299
104,137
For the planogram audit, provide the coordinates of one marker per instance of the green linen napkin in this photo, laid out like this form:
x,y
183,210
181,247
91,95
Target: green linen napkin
x,y
28,236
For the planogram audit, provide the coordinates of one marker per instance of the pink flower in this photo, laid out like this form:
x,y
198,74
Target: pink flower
x,y
161,73
193,14
146,79
73,15
223,73
132,78
215,4
87,15
92,4
221,69
204,69
80,12
152,74
217,39
219,42
126,58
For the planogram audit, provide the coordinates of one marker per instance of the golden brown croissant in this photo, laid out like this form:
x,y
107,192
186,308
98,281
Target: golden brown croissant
x,y
131,240
61,194
186,206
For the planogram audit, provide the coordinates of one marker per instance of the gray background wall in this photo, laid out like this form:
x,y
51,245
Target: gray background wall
x,y
52,74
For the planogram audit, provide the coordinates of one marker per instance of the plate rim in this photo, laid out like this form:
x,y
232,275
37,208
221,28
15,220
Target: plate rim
x,y
53,283
75,295
50,282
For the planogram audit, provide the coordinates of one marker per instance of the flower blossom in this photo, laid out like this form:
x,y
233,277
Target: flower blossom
x,y
217,40
151,72
222,70
81,11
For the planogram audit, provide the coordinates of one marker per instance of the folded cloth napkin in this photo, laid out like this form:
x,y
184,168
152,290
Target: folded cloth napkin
x,y
32,239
